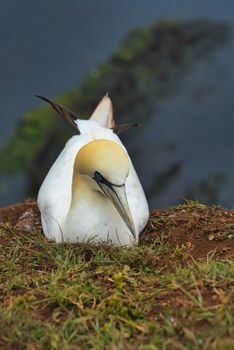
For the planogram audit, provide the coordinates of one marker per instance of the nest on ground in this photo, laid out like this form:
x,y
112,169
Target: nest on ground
x,y
197,228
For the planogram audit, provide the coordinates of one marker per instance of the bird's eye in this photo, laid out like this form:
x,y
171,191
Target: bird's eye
x,y
98,176
101,179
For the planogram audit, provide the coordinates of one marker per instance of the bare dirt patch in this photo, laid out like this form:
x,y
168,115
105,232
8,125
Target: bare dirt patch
x,y
197,228
13,214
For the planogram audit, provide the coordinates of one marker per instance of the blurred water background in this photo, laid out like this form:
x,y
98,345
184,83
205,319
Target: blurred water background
x,y
187,148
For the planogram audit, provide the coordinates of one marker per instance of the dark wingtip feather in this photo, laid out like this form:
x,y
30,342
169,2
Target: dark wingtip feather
x,y
42,98
60,109
124,127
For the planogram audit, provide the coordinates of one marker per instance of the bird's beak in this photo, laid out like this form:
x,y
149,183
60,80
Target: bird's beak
x,y
118,197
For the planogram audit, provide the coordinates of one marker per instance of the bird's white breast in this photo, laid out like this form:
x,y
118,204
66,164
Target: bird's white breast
x,y
96,222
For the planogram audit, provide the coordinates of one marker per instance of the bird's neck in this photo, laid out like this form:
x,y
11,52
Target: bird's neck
x,y
83,188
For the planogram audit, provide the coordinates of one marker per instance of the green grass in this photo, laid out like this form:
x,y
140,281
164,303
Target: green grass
x,y
99,297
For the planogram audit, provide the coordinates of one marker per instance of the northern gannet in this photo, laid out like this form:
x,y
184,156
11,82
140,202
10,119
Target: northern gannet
x,y
92,192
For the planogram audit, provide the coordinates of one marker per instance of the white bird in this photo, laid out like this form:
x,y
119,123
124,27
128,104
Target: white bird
x,y
92,192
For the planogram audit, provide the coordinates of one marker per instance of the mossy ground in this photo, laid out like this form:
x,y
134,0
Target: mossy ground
x,y
174,291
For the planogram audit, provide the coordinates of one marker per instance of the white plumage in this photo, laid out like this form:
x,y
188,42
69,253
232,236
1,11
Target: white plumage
x,y
90,219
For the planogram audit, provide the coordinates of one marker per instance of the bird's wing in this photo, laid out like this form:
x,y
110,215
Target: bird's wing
x,y
54,197
137,201
136,197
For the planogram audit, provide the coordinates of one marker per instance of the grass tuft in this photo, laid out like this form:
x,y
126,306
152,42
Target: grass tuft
x,y
173,291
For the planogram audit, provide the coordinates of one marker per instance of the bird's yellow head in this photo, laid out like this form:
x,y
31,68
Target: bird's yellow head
x,y
103,158
107,166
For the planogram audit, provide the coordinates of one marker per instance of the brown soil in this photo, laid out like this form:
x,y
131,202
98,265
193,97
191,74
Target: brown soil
x,y
195,227
200,228
13,213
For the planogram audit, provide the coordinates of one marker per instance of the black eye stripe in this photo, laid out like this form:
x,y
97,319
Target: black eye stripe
x,y
101,179
98,176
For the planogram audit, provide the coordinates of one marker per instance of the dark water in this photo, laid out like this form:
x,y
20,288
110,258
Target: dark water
x,y
48,47
199,122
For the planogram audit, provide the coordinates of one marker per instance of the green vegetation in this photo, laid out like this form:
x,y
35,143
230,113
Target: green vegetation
x,y
159,295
